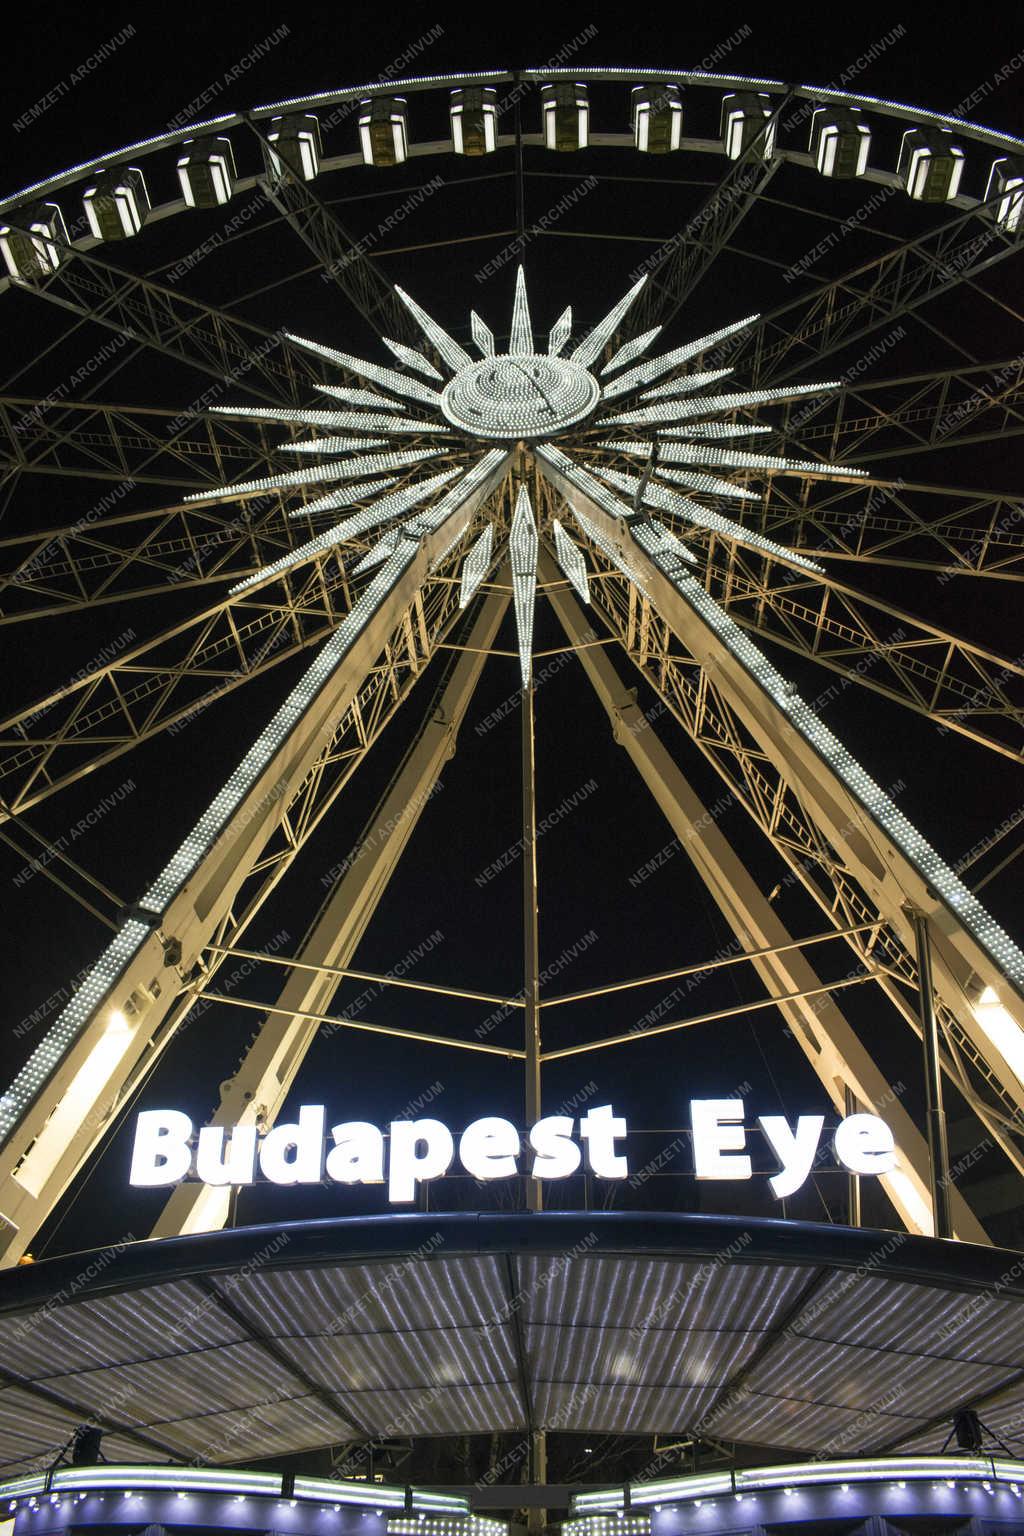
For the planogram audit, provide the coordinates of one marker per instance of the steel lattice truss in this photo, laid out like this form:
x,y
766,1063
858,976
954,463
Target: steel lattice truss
x,y
702,493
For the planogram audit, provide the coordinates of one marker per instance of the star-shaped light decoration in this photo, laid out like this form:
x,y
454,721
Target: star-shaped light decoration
x,y
442,433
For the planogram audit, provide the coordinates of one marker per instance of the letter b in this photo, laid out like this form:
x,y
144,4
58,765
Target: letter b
x,y
161,1154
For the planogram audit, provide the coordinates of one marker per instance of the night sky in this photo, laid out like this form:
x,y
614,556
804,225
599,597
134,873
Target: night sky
x,y
458,930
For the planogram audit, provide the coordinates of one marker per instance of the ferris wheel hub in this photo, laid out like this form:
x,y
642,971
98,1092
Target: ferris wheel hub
x,y
520,396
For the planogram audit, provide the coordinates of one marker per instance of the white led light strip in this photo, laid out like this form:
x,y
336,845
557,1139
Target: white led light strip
x,y
305,418
341,469
132,1477
344,496
521,339
674,452
571,561
364,421
412,359
360,522
560,332
332,445
710,485
476,565
455,356
643,373
707,405
660,496
630,350
685,384
522,546
482,335
920,854
941,1469
398,383
359,397
591,347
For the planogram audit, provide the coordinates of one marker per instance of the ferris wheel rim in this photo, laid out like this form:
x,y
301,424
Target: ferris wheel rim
x,y
917,116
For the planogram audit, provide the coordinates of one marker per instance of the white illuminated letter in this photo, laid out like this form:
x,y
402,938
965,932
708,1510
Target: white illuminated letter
x,y
489,1147
865,1144
718,1129
161,1154
294,1154
794,1150
237,1168
407,1168
357,1156
557,1154
600,1129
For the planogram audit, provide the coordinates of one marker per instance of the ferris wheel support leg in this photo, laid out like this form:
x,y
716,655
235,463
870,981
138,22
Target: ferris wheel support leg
x,y
64,1099
531,943
978,969
817,1024
257,1091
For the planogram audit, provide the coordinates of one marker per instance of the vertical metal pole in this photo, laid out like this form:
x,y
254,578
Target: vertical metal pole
x,y
531,976
938,1146
537,1518
520,177
853,1181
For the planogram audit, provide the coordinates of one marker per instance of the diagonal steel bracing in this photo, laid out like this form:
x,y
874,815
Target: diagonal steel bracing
x,y
691,253
230,350
142,554
833,881
960,686
898,523
838,313
162,683
882,418
167,680
341,256
128,444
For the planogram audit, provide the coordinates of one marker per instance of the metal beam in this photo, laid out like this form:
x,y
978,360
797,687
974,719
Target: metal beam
x,y
690,694
93,562
531,944
938,1145
905,524
129,444
339,253
881,418
960,686
232,351
164,682
256,1092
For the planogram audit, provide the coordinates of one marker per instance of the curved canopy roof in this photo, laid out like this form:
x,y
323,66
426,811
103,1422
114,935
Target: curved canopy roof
x,y
250,1343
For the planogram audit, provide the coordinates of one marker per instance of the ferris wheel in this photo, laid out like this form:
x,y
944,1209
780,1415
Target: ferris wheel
x,y
705,497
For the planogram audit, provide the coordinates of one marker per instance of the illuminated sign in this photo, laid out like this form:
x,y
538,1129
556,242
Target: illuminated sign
x,y
166,1149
